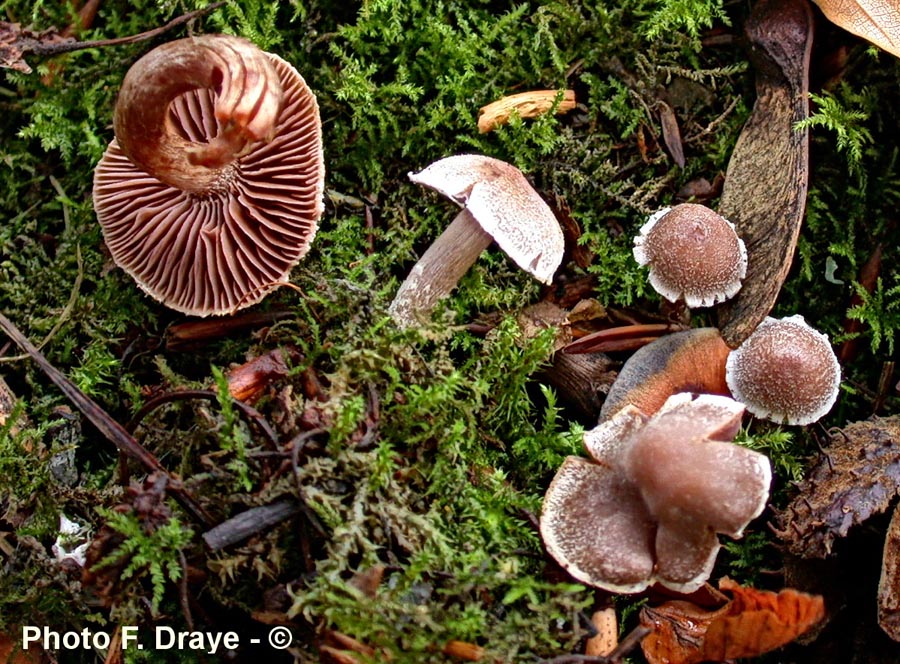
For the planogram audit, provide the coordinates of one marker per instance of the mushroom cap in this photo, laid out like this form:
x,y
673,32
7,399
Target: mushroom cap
x,y
785,372
506,206
594,523
687,361
693,254
649,509
223,250
689,475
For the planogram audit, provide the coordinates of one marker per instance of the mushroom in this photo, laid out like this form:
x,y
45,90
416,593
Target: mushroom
x,y
498,203
686,361
649,505
212,189
785,372
694,254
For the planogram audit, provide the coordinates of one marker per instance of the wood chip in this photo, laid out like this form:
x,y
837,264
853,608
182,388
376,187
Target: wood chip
x,y
525,104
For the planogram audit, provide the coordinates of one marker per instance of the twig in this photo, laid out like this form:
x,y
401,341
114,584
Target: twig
x,y
252,415
250,522
113,431
44,49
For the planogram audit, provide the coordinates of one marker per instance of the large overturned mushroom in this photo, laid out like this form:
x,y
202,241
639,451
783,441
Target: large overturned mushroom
x,y
498,204
212,189
648,506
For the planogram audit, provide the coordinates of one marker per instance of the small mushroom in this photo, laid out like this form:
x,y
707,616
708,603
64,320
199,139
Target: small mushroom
x,y
686,361
649,505
498,204
212,189
693,253
785,371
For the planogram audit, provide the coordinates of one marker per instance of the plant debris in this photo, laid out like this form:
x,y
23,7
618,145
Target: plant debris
x,y
856,477
752,623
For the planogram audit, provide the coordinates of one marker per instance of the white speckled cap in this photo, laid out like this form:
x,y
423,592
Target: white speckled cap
x,y
693,254
506,206
785,372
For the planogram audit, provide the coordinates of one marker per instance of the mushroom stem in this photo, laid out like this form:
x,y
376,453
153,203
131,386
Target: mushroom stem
x,y
248,102
439,269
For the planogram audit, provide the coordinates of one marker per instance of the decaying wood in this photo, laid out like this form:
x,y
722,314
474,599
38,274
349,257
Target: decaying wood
x,y
857,477
766,181
525,104
889,583
582,381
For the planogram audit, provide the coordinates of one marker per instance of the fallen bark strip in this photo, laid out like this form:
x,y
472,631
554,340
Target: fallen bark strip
x,y
767,177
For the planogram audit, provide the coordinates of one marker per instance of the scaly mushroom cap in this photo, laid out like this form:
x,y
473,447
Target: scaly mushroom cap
x,y
693,254
506,206
214,217
649,509
785,372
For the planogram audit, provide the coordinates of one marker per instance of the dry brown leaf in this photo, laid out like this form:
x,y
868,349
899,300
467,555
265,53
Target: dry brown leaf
x,y
525,104
752,623
877,21
766,181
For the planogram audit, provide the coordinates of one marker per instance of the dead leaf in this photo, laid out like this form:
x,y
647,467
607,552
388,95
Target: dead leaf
x,y
671,133
858,476
752,623
526,104
876,21
766,180
889,583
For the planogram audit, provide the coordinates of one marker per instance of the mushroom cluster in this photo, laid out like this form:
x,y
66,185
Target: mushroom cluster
x,y
647,507
785,372
212,189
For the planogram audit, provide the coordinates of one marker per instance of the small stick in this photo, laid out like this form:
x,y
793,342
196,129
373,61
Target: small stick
x,y
250,522
42,49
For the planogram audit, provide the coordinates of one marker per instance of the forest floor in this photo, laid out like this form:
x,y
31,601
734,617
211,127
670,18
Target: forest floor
x,y
306,463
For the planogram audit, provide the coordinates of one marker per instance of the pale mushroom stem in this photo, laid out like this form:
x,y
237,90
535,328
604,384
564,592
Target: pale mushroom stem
x,y
439,269
248,101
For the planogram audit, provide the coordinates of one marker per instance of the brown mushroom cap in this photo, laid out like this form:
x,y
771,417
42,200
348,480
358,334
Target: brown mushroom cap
x,y
785,372
674,471
686,361
506,206
694,254
242,212
595,525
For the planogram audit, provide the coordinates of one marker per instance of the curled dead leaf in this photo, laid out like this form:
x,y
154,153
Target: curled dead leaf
x,y
857,476
526,104
752,623
876,21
